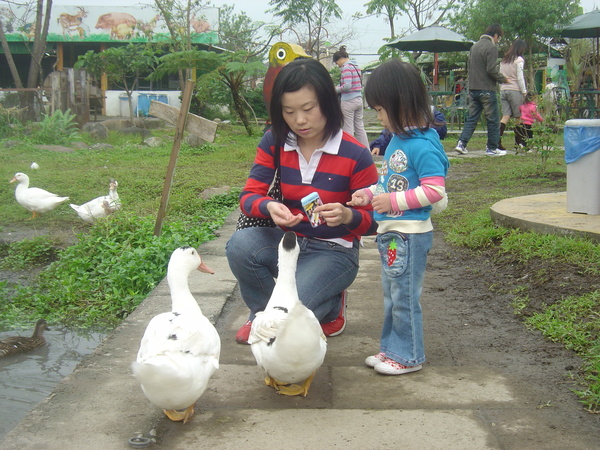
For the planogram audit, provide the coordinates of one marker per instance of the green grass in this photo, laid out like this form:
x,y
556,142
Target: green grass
x,y
100,273
123,251
572,320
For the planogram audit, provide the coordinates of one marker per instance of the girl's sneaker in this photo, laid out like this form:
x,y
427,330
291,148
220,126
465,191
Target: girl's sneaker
x,y
391,367
372,361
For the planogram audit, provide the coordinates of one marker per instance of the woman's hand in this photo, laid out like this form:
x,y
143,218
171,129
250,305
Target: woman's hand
x,y
335,214
382,203
282,215
375,151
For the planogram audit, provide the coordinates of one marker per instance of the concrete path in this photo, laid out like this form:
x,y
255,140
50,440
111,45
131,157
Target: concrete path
x,y
458,401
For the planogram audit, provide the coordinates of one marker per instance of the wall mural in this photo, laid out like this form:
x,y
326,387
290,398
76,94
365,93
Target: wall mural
x,y
104,24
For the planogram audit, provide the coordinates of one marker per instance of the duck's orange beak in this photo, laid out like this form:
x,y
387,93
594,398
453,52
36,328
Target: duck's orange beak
x,y
204,268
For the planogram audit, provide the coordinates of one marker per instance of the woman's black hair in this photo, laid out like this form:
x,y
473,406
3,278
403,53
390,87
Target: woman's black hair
x,y
516,49
294,76
397,87
341,53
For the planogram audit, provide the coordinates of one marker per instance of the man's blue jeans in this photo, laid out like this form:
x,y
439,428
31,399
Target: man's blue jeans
x,y
402,281
324,270
486,101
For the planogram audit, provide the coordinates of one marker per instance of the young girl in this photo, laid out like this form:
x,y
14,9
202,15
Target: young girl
x,y
529,115
412,179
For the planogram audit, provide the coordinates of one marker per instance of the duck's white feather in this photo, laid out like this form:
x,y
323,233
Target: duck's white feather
x,y
286,338
99,207
180,349
35,199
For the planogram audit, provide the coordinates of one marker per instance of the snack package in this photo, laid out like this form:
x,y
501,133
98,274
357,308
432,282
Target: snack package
x,y
309,203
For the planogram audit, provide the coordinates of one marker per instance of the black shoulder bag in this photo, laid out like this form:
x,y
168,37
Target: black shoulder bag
x,y
274,192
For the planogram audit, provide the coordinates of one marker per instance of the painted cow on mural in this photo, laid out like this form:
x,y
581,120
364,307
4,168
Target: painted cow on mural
x,y
72,22
116,23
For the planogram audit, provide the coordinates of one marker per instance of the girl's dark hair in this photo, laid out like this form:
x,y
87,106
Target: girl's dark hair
x,y
294,76
516,49
341,53
397,87
528,98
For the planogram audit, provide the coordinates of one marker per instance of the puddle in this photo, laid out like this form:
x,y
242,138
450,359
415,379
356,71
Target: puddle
x,y
28,378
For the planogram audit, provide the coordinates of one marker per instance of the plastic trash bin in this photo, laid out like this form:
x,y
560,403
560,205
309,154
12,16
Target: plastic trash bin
x,y
124,105
144,100
582,142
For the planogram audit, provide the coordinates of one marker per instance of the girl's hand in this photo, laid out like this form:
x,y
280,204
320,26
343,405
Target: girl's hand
x,y
335,214
359,198
382,203
282,215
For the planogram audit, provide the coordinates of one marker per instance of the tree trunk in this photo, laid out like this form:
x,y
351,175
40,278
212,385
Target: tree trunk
x,y
238,105
9,59
35,66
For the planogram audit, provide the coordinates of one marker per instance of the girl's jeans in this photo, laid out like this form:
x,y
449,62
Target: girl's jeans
x,y
324,270
402,332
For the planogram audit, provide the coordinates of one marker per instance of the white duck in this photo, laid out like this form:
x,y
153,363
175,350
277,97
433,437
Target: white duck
x,y
180,349
100,207
34,199
286,338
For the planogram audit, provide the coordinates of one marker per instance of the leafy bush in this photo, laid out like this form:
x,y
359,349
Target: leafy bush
x,y
101,279
28,253
58,129
10,119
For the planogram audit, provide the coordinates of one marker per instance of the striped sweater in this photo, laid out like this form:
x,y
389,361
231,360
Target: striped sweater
x,y
350,82
344,167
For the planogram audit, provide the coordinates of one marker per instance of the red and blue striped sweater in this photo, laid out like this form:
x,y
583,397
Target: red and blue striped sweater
x,y
336,177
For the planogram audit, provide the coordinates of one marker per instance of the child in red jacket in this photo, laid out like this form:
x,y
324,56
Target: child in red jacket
x,y
529,115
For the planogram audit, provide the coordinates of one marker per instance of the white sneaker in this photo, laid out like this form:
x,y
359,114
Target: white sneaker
x,y
372,361
495,152
391,367
461,148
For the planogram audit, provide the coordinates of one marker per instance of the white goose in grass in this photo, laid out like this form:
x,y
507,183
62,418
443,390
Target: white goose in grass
x,y
34,199
100,207
286,338
180,349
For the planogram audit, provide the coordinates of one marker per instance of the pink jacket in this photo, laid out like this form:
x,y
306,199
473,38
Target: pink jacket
x,y
529,113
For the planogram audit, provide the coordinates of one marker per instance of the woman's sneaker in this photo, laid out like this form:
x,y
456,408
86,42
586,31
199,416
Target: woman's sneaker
x,y
336,327
391,367
372,361
243,334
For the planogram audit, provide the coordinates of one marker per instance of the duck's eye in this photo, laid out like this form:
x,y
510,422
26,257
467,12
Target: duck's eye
x,y
281,53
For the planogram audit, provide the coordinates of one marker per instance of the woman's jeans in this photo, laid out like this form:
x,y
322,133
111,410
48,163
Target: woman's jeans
x,y
324,270
353,119
402,332
486,101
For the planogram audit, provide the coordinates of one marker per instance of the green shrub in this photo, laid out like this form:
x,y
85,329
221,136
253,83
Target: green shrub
x,y
58,129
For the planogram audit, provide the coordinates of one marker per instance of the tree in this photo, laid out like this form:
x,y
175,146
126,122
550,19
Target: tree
x,y
41,13
390,9
421,14
312,16
178,16
234,68
536,22
123,66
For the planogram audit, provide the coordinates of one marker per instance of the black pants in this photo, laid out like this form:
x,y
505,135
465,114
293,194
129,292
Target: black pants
x,y
523,132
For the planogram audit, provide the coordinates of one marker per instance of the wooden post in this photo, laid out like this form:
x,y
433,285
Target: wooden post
x,y
179,129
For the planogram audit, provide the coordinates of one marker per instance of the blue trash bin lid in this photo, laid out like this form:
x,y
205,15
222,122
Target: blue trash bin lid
x,y
582,136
